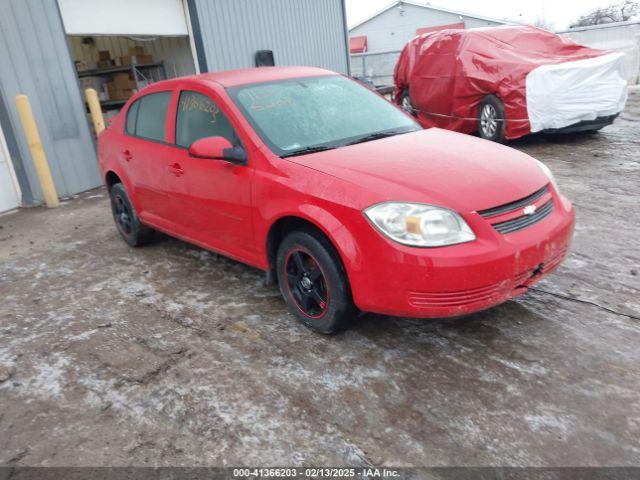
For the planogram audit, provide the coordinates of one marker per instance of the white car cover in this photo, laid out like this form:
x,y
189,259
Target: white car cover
x,y
567,93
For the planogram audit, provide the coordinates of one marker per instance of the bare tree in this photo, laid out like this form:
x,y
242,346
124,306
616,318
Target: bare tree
x,y
617,12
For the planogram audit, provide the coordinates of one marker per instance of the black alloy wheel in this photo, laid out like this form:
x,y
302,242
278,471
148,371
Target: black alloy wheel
x,y
313,281
306,283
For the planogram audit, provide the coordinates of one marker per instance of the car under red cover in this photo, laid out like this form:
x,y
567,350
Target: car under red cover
x,y
334,192
522,79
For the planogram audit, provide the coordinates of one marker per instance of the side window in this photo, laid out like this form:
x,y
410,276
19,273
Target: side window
x,y
132,116
148,116
200,117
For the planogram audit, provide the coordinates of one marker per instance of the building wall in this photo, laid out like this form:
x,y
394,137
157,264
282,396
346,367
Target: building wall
x,y
621,38
36,62
393,28
300,32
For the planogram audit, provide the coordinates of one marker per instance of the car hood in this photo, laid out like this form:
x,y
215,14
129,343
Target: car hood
x,y
434,166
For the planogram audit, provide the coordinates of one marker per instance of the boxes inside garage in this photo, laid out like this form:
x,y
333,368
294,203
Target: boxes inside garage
x,y
118,66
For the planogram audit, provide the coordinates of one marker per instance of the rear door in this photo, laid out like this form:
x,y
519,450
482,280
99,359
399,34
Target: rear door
x,y
145,152
433,81
212,197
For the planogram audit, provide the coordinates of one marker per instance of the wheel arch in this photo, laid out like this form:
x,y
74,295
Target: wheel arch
x,y
111,178
334,231
484,98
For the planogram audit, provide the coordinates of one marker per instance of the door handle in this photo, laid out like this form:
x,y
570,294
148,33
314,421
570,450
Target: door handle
x,y
176,169
127,155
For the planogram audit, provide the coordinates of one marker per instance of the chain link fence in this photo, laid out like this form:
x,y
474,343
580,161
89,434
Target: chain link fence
x,y
377,67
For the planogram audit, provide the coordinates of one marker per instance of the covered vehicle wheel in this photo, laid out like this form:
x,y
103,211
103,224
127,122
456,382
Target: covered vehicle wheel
x,y
405,103
313,282
132,230
491,122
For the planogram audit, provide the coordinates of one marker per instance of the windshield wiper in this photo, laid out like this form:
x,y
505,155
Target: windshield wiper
x,y
366,138
375,136
306,150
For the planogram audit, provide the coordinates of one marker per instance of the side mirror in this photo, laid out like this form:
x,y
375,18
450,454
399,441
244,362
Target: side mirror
x,y
218,148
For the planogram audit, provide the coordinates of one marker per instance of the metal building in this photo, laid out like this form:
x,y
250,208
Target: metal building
x,y
52,49
376,42
392,27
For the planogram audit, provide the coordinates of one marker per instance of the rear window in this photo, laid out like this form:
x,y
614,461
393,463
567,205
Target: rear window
x,y
147,117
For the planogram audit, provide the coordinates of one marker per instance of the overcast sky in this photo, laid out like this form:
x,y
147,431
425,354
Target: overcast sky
x,y
558,12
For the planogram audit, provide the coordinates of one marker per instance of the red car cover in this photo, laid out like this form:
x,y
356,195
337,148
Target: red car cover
x,y
448,73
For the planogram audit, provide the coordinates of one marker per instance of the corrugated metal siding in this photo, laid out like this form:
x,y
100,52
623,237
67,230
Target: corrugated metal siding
x,y
36,62
175,51
300,32
393,28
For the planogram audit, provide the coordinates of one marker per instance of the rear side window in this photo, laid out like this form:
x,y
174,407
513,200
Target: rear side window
x,y
132,115
200,117
147,117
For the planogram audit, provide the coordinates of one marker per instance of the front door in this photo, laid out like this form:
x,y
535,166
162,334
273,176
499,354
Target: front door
x,y
212,198
9,198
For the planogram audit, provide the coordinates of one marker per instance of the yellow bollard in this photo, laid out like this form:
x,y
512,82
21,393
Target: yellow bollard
x,y
37,152
96,111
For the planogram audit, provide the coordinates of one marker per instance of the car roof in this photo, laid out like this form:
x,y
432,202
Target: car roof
x,y
233,78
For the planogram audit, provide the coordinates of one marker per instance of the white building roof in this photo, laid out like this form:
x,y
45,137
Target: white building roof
x,y
426,6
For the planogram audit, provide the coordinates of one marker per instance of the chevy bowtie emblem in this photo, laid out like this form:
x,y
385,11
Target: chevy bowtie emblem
x,y
529,210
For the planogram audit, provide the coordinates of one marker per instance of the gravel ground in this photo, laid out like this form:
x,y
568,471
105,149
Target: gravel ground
x,y
170,355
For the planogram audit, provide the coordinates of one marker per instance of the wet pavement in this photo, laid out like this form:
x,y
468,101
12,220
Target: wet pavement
x,y
170,355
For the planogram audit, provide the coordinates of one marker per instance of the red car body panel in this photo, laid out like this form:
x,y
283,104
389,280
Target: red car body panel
x,y
449,73
231,208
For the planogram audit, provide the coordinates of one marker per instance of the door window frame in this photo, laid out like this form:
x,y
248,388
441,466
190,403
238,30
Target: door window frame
x,y
172,120
217,104
166,120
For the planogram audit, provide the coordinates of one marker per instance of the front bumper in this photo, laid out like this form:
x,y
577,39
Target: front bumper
x,y
585,126
460,279
565,94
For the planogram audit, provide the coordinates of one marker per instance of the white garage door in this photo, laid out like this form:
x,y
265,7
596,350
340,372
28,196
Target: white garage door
x,y
9,198
124,17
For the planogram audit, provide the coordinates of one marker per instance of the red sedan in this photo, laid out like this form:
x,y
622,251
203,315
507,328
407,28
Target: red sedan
x,y
335,193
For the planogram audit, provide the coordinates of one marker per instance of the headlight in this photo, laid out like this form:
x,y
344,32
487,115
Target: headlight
x,y
419,225
549,175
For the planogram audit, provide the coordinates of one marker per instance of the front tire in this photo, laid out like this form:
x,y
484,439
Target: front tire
x,y
405,103
313,282
492,120
127,221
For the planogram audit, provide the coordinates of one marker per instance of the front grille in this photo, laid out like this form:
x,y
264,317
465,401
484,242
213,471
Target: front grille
x,y
525,220
507,207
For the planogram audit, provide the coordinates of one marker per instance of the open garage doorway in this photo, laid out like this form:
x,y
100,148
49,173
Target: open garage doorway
x,y
119,47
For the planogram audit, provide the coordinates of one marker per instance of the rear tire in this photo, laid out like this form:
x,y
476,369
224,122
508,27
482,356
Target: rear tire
x,y
313,282
127,221
491,119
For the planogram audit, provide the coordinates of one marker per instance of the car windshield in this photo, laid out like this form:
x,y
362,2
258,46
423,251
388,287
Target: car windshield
x,y
306,115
